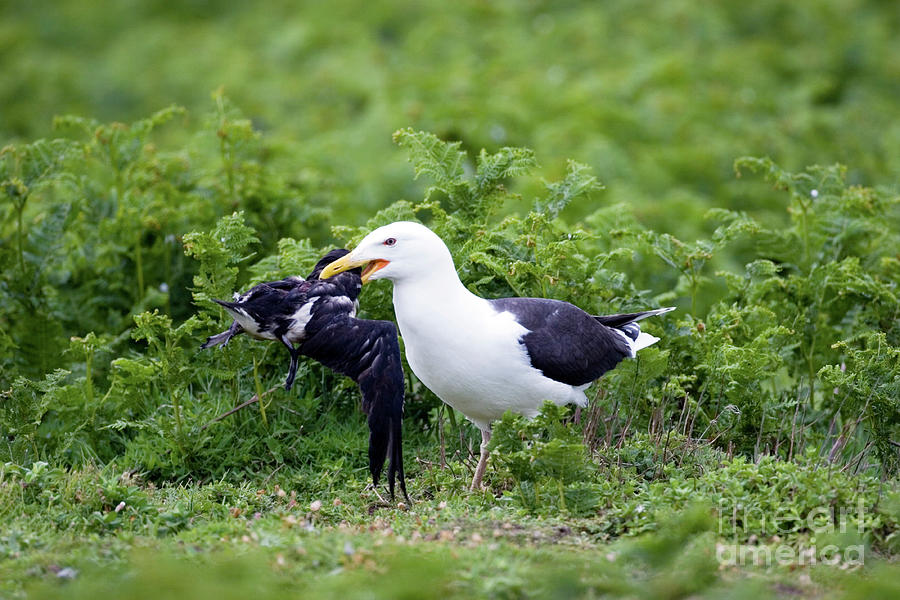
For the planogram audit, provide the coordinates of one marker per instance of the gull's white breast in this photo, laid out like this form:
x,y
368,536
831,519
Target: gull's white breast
x,y
471,356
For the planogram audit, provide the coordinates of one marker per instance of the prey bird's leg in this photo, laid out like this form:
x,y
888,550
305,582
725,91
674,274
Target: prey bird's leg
x,y
292,372
482,460
224,337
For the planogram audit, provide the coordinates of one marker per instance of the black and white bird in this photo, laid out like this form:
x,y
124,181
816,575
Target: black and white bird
x,y
484,357
317,318
280,310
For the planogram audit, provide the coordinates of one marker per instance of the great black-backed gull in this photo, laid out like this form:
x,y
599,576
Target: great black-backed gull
x,y
319,316
486,357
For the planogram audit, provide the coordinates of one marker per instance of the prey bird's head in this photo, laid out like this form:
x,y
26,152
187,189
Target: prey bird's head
x,y
399,251
326,260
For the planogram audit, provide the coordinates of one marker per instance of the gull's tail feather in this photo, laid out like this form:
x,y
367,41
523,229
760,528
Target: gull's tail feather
x,y
626,325
643,340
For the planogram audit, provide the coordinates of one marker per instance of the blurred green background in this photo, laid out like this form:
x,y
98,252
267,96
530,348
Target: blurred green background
x,y
658,97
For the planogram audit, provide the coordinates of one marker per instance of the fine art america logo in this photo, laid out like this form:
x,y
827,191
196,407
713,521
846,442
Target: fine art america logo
x,y
821,522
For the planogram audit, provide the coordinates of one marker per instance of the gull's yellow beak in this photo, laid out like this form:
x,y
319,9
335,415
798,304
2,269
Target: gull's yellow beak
x,y
347,262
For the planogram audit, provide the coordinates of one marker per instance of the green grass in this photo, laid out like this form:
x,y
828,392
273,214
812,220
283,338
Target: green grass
x,y
67,532
658,527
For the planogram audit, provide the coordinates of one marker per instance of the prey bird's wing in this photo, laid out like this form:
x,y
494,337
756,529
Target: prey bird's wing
x,y
369,353
286,284
264,302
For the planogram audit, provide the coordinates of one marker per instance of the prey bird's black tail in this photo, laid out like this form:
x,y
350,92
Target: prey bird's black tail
x,y
225,303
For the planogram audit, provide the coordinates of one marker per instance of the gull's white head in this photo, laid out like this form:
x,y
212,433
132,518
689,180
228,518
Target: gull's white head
x,y
400,251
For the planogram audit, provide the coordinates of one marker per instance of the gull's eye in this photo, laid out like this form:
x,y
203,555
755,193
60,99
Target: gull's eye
x,y
390,241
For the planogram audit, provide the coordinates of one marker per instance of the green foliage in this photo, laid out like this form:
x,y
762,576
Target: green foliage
x,y
543,451
218,253
690,259
659,101
22,410
27,172
170,369
870,384
629,489
474,198
95,224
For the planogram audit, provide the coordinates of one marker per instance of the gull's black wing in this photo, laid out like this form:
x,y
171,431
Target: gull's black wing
x,y
564,342
620,321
